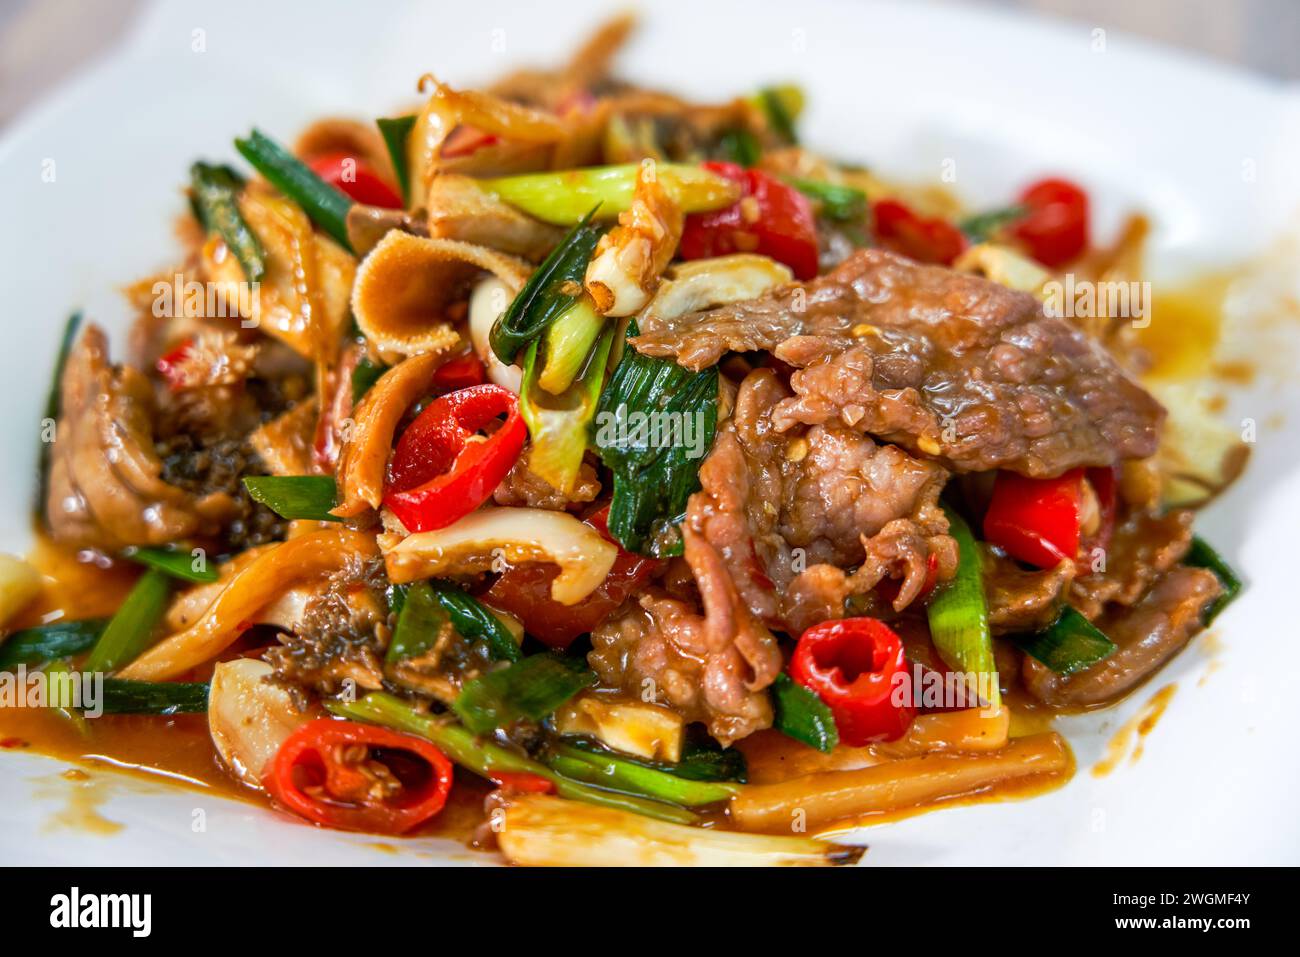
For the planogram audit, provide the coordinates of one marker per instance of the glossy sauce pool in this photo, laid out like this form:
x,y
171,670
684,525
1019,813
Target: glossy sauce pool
x,y
176,749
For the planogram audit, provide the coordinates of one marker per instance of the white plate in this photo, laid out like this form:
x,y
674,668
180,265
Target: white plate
x,y
1210,153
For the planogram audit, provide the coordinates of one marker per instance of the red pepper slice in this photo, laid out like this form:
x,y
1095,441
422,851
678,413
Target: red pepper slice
x,y
771,218
900,229
857,666
1055,230
522,782
172,366
1036,520
465,140
460,373
442,469
323,772
525,592
357,178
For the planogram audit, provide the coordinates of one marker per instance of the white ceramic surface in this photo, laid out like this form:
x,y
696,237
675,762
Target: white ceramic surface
x,y
1209,153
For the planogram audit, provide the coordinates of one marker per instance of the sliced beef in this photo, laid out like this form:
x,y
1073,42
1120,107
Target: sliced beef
x,y
664,646
1023,600
948,365
787,513
1147,635
1144,546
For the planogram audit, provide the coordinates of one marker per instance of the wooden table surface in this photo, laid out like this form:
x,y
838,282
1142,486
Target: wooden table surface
x,y
41,41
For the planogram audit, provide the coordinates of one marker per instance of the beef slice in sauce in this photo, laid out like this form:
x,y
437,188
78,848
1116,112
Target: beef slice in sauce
x,y
951,366
700,668
1147,635
787,513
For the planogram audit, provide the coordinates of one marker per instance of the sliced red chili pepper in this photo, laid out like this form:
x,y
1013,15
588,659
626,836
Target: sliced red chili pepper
x,y
357,178
465,140
900,229
1055,230
172,366
857,666
1036,520
525,592
442,468
460,373
522,782
772,218
357,777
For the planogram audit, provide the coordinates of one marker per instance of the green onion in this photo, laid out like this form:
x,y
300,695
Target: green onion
x,y
59,678
365,375
1069,644
46,643
295,496
559,425
564,197
527,690
981,226
654,475
702,759
396,131
475,621
959,617
484,757
548,293
216,192
739,146
800,714
419,623
1201,555
122,696
178,564
326,206
781,105
131,631
568,343
840,203
634,778
53,406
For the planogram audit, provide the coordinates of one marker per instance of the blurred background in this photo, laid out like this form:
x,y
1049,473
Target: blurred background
x,y
41,41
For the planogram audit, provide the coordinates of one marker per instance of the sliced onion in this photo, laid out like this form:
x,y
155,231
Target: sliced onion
x,y
484,540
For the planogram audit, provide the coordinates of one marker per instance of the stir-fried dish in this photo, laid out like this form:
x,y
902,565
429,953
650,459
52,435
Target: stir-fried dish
x,y
612,474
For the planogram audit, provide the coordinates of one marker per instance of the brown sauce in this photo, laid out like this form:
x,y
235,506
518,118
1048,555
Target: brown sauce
x,y
1129,741
1017,789
81,794
1183,334
178,749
